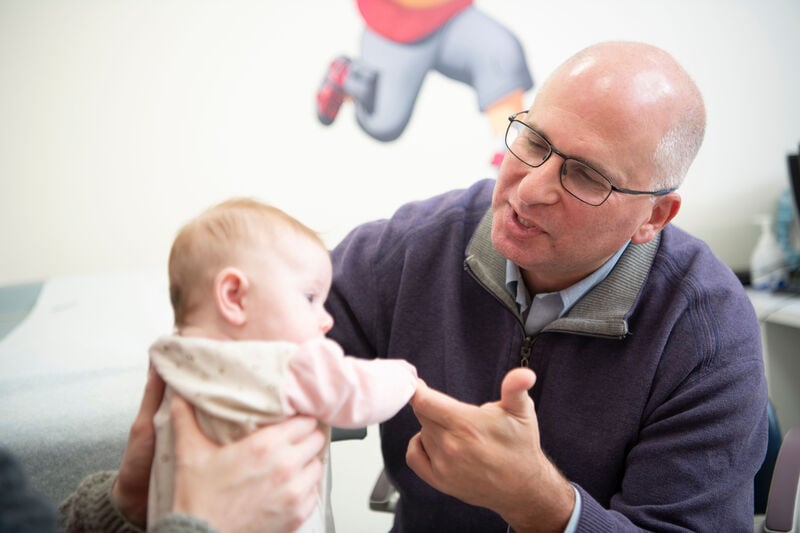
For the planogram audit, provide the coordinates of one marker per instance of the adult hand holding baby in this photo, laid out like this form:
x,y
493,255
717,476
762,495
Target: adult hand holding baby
x,y
266,481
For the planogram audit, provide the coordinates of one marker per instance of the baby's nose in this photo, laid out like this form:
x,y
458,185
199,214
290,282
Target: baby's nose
x,y
327,322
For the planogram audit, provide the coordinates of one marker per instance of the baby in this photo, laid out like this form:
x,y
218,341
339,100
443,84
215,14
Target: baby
x,y
248,285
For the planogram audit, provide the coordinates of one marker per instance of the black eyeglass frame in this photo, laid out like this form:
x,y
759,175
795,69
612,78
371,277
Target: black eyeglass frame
x,y
552,150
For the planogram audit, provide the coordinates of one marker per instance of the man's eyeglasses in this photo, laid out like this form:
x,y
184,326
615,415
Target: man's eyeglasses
x,y
579,179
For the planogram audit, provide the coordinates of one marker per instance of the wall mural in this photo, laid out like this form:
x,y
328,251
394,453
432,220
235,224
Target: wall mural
x,y
405,39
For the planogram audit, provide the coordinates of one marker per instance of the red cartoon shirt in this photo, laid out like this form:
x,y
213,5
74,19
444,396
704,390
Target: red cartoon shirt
x,y
406,24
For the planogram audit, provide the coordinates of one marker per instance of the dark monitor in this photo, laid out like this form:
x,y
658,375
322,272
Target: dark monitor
x,y
787,236
794,179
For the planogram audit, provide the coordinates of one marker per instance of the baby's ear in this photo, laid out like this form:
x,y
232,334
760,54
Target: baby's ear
x,y
230,288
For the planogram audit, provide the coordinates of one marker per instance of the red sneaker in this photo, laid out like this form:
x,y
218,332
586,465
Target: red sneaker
x,y
497,159
331,92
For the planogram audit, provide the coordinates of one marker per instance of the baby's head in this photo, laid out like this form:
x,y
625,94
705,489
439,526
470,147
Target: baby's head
x,y
245,270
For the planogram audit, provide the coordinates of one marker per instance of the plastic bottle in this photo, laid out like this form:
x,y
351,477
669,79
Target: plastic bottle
x,y
768,267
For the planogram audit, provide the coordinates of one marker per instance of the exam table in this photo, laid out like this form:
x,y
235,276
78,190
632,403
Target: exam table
x,y
73,364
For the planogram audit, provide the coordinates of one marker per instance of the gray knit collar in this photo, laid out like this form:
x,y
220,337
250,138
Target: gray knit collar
x,y
603,311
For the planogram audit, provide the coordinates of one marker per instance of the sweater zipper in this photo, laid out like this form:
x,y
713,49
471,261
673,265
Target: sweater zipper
x,y
527,340
525,351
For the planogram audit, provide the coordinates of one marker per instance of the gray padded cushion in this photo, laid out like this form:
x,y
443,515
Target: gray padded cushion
x,y
784,493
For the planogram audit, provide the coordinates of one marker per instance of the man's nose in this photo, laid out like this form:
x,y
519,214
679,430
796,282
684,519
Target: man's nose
x,y
542,184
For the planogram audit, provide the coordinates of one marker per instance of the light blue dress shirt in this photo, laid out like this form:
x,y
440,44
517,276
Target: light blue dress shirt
x,y
549,306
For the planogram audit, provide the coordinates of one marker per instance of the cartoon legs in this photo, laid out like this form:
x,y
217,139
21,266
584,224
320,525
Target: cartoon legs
x,y
385,80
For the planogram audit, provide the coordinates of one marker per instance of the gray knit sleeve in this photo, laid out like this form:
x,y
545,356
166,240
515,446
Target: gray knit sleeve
x,y
90,508
180,523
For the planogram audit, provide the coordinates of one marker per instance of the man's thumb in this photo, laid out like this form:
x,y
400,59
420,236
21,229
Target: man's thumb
x,y
514,391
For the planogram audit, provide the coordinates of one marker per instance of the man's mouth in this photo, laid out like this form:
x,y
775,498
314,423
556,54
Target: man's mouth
x,y
523,222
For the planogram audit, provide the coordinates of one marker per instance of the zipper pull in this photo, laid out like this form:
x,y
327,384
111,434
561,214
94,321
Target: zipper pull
x,y
525,352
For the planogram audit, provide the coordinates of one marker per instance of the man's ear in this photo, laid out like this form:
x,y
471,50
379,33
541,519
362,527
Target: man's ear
x,y
230,288
664,209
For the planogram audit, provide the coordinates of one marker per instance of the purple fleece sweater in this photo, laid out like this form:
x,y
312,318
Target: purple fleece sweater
x,y
651,395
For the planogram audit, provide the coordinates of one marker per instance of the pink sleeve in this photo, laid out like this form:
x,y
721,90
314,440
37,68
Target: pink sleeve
x,y
345,391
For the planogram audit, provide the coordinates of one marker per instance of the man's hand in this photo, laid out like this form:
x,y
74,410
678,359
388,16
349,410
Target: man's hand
x,y
490,455
267,481
133,480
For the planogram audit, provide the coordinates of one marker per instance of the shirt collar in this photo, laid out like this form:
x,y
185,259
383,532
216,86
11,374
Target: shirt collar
x,y
569,296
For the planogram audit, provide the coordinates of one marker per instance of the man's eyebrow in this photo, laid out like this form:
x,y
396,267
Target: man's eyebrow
x,y
594,166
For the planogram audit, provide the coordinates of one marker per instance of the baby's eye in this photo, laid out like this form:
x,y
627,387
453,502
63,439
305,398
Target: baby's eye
x,y
311,297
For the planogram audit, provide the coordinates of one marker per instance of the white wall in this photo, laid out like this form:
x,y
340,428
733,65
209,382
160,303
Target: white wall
x,y
120,119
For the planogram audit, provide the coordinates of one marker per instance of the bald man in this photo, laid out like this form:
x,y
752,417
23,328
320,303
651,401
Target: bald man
x,y
589,366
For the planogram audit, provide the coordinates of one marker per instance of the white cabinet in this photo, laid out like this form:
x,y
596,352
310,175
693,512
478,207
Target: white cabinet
x,y
779,315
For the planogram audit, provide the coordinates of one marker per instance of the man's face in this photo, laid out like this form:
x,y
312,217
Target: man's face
x,y
555,238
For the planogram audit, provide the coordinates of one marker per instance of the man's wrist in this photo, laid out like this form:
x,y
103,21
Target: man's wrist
x,y
550,513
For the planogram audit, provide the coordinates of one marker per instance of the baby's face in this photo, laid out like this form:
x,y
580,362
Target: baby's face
x,y
287,293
